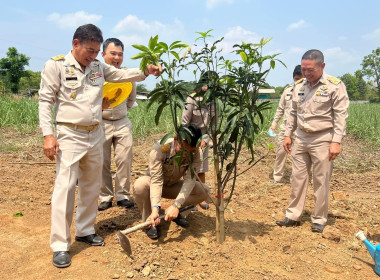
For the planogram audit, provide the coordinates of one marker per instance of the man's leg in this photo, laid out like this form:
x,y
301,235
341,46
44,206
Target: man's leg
x,y
123,159
141,192
322,170
106,191
301,164
281,155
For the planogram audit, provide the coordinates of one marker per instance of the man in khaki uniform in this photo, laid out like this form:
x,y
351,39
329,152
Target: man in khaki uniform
x,y
202,116
283,110
318,119
164,179
74,84
118,132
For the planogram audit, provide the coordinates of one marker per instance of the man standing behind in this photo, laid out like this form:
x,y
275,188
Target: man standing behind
x,y
318,118
118,132
74,84
284,107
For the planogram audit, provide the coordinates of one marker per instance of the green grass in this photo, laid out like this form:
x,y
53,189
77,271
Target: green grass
x,y
21,114
364,121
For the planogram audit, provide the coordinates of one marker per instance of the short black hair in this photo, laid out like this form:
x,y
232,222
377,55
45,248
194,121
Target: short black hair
x,y
88,32
116,42
313,54
190,133
205,78
297,71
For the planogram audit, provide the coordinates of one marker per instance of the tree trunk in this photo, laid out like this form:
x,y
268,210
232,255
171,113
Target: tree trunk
x,y
220,228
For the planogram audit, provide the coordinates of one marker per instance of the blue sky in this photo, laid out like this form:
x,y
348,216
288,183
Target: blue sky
x,y
345,31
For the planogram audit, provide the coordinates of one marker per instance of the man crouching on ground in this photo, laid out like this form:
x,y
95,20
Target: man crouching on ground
x,y
167,179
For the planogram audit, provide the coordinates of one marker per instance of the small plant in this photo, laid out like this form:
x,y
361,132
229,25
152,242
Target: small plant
x,y
232,92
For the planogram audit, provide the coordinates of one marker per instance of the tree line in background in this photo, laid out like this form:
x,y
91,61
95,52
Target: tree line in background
x,y
15,79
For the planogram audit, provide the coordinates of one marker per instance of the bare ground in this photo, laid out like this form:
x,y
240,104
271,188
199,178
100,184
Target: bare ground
x,y
255,248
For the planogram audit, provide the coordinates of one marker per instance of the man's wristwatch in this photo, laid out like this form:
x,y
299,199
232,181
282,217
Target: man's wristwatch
x,y
177,204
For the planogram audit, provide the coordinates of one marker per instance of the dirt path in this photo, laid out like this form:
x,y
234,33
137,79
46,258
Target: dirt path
x,y
255,247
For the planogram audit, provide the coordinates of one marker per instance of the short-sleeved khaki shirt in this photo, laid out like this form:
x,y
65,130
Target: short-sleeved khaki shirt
x,y
323,106
164,171
284,106
77,94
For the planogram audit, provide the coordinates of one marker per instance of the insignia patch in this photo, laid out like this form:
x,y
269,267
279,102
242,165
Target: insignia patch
x,y
301,93
58,57
318,93
334,80
323,88
299,81
165,148
73,95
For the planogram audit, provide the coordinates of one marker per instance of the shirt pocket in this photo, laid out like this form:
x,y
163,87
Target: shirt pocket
x,y
321,103
73,89
288,97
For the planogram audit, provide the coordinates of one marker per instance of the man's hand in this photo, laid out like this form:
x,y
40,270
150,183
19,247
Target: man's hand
x,y
153,218
334,150
105,103
287,144
153,70
203,144
171,213
51,147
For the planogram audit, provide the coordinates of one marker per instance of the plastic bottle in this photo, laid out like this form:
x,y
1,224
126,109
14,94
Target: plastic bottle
x,y
372,249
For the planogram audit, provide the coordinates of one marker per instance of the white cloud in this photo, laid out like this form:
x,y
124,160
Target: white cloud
x,y
296,25
65,21
235,35
296,50
336,54
132,30
373,35
210,4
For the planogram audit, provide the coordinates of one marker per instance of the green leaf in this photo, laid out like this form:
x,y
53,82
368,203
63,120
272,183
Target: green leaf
x,y
152,42
270,146
272,64
164,46
139,55
159,112
166,137
175,55
19,214
243,56
141,48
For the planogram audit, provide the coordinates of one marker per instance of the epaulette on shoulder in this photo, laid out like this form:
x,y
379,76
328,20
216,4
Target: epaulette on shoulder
x,y
165,148
334,80
299,81
288,86
58,57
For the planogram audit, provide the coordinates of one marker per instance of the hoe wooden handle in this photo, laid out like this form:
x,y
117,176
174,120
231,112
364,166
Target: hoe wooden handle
x,y
147,223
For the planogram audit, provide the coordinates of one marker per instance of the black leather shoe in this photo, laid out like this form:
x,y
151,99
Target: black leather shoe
x,y
92,239
61,259
125,203
182,222
105,205
287,223
317,227
153,232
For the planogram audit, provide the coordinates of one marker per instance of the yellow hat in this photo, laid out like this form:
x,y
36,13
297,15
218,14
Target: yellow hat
x,y
116,92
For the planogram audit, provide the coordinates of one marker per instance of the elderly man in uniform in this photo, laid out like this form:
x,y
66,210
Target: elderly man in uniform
x,y
283,110
74,83
118,132
318,119
164,179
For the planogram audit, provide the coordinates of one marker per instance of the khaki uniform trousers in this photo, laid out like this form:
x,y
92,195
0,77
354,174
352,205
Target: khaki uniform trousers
x,y
310,149
141,193
119,134
281,155
80,158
